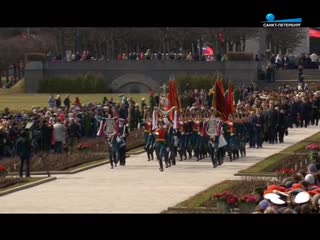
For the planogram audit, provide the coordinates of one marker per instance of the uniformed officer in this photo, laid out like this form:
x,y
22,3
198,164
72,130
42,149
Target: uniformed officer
x,y
148,138
160,135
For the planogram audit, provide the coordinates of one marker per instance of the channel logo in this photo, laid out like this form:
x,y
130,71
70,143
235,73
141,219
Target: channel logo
x,y
271,22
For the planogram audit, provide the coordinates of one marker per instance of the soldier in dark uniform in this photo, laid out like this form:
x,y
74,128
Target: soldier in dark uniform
x,y
182,143
189,136
211,131
149,138
228,135
204,138
170,157
234,138
196,137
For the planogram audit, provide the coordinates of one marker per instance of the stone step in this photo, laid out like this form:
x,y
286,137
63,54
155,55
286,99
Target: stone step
x,y
295,80
293,74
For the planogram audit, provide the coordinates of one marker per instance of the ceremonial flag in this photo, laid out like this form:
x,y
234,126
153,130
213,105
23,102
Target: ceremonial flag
x,y
173,99
229,100
219,99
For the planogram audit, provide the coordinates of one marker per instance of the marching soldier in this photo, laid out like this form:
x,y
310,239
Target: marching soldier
x,y
170,157
182,138
196,137
214,131
210,127
229,136
149,138
189,132
160,135
204,139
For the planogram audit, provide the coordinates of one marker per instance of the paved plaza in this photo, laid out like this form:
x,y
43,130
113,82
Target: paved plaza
x,y
138,187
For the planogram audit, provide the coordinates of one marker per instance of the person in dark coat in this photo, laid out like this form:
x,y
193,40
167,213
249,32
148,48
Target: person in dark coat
x,y
271,123
123,133
74,133
306,110
58,101
283,124
24,152
316,109
123,113
258,124
66,103
46,135
294,111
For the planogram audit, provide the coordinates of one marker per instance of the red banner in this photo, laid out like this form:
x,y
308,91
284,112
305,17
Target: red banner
x,y
229,100
314,33
219,100
173,98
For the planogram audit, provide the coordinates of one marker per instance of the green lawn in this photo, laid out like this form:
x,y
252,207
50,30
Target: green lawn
x,y
266,164
24,102
16,100
277,159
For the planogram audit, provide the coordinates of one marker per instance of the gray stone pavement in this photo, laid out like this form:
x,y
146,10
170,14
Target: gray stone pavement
x,y
138,187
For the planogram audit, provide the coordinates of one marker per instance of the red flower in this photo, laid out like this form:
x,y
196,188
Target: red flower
x,y
226,196
313,147
83,146
248,199
2,169
232,200
286,171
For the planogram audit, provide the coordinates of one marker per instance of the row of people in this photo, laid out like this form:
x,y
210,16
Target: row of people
x,y
195,136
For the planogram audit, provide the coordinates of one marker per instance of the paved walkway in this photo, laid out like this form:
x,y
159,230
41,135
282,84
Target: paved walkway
x,y
137,188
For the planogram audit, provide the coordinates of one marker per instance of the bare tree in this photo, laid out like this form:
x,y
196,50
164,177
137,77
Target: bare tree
x,y
283,39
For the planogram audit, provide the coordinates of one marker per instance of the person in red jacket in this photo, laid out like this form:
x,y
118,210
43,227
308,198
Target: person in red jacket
x,y
160,135
77,102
